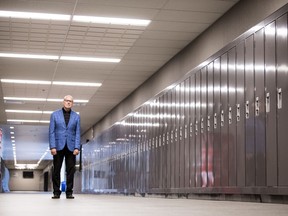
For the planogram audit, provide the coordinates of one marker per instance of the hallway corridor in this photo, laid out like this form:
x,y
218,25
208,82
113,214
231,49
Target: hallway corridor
x,y
41,204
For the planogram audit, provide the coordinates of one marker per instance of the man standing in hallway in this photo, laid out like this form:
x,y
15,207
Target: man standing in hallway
x,y
64,141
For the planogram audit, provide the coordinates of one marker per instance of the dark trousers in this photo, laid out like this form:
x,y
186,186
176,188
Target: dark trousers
x,y
70,161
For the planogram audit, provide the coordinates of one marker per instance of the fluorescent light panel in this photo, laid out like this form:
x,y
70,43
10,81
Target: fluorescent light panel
x,y
27,121
49,83
52,57
30,111
77,18
110,20
29,15
41,99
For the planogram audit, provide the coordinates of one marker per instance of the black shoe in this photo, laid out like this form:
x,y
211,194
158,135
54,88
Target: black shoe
x,y
69,196
56,196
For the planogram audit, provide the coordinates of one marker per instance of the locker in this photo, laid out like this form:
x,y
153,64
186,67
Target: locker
x,y
210,127
160,141
176,135
224,161
168,138
191,131
186,132
181,136
282,99
203,127
259,110
249,111
240,114
197,131
270,94
164,138
232,165
217,123
172,138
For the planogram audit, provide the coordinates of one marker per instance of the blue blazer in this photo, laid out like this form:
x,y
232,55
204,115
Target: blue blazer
x,y
60,134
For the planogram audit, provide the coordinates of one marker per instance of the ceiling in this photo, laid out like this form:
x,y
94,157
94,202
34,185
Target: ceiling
x,y
142,50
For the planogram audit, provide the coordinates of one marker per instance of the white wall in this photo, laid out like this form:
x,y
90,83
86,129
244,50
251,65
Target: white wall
x,y
18,183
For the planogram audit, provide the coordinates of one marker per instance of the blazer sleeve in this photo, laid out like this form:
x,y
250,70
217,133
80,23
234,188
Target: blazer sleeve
x,y
52,143
78,133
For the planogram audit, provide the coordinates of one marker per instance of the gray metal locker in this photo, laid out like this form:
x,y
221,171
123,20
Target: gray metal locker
x,y
249,111
224,161
217,124
270,94
203,127
240,115
191,131
186,132
259,107
232,167
282,99
197,131
210,127
176,135
181,136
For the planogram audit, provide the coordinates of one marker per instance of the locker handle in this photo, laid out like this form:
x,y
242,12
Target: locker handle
x,y
247,109
176,135
222,118
215,120
202,125
230,115
191,129
279,98
257,106
180,133
238,112
267,102
208,123
196,127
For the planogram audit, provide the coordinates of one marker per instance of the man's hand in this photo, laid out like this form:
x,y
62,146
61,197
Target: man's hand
x,y
53,151
75,152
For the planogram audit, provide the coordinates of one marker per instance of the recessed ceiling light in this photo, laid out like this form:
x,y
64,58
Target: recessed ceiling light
x,y
91,59
27,121
29,56
41,99
29,15
77,84
26,81
111,20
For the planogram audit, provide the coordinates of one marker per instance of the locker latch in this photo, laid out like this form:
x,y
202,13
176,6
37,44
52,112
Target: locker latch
x,y
215,120
267,102
238,112
208,123
196,127
257,106
222,118
247,109
202,125
230,115
279,98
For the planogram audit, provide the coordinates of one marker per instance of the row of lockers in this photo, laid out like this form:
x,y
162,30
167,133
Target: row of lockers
x,y
223,126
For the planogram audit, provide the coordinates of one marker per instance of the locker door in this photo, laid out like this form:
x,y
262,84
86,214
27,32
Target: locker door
x,y
203,127
240,114
168,137
191,131
260,155
160,142
282,99
186,132
172,140
181,136
249,111
232,117
197,129
164,138
176,135
270,78
210,128
217,124
224,121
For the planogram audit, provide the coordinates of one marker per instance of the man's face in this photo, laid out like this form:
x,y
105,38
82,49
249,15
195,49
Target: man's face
x,y
68,102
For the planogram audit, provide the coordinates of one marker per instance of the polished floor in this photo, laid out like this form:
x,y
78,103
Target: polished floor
x,y
41,204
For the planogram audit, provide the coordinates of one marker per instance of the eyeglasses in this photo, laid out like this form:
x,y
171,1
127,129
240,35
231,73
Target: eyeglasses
x,y
68,101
